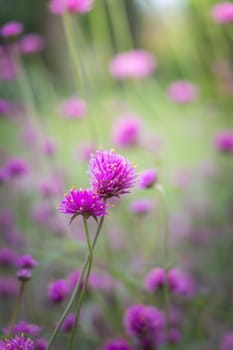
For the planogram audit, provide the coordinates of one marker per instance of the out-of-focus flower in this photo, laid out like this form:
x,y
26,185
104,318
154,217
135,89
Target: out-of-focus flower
x,y
180,283
148,178
227,341
100,282
16,343
7,257
126,131
8,67
24,275
8,287
83,202
222,12
16,167
11,29
5,107
155,279
40,344
111,175
31,43
58,290
132,64
223,141
51,187
174,336
26,328
116,344
74,108
58,7
26,262
68,323
182,92
141,206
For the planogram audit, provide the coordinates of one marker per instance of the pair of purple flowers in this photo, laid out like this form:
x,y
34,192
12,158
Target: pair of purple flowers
x,y
111,175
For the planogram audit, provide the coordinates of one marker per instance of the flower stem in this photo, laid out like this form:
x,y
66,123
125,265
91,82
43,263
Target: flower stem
x,y
16,308
85,284
76,289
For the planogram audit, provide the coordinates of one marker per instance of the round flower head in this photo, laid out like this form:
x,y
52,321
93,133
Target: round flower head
x,y
31,44
82,202
224,141
68,323
148,178
141,206
227,341
126,131
222,12
58,290
116,344
58,7
16,343
7,257
180,283
182,92
16,167
11,29
74,108
155,279
27,328
26,262
111,175
132,64
40,344
24,275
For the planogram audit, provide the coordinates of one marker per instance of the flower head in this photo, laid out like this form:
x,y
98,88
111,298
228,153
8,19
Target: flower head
x,y
31,43
68,323
26,262
148,178
222,12
127,131
111,175
224,141
24,275
11,29
132,64
16,343
182,92
58,290
26,328
141,206
83,202
155,279
58,7
227,341
116,344
74,108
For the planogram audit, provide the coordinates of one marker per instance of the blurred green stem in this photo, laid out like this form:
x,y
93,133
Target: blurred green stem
x,y
76,289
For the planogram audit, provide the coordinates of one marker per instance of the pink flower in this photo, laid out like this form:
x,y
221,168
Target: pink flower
x,y
58,7
126,131
148,178
182,92
223,141
132,64
31,43
74,108
222,12
11,29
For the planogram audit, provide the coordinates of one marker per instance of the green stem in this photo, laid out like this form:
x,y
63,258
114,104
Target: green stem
x,y
76,289
16,308
80,301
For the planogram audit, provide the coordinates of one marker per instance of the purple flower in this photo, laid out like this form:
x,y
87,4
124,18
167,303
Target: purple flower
x,y
24,275
180,283
26,328
174,336
7,257
111,175
100,282
58,290
73,279
26,262
58,7
182,92
16,167
83,202
11,29
17,343
222,12
116,344
40,344
68,323
5,107
8,287
31,44
136,64
148,178
141,206
144,322
227,341
155,279
74,108
126,131
8,67
223,141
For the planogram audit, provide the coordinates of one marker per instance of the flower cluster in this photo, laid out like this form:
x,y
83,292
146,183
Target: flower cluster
x,y
18,342
58,7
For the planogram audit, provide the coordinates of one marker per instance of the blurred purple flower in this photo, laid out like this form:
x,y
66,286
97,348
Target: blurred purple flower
x,y
74,108
116,344
182,92
174,336
180,283
16,343
132,64
148,178
223,141
16,167
227,341
58,7
7,257
40,344
5,107
49,147
99,282
68,323
58,290
111,175
141,206
8,67
11,29
26,328
26,262
31,43
8,286
126,131
222,12
73,278
155,279
24,275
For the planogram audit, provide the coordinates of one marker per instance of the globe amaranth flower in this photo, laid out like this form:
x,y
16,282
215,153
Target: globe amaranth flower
x,y
25,328
155,279
58,290
11,29
132,64
148,178
17,343
58,7
31,43
182,92
24,275
74,108
111,175
223,141
7,257
5,107
26,262
116,344
68,323
222,12
180,283
40,344
126,131
83,202
141,206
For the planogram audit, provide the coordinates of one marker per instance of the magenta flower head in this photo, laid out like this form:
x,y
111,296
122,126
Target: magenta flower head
x,y
83,202
26,262
116,344
74,108
5,107
126,131
27,328
31,44
58,7
223,141
111,175
155,280
58,290
141,206
222,12
181,283
148,178
11,29
68,323
17,342
7,257
135,64
24,275
182,92
16,167
227,341
40,344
